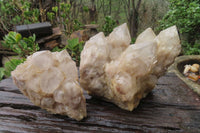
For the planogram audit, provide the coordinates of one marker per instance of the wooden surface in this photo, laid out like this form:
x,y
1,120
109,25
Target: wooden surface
x,y
39,29
171,107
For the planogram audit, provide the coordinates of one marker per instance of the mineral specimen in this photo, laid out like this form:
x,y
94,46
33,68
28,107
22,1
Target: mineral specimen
x,y
112,69
50,80
192,72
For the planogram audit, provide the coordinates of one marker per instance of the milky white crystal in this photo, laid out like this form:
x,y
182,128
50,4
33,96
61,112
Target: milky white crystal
x,y
118,41
121,73
168,49
50,80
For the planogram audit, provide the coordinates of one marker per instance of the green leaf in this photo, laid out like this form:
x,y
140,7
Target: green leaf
x,y
185,14
56,49
11,65
18,37
85,8
80,47
73,42
1,72
50,15
22,47
55,9
4,44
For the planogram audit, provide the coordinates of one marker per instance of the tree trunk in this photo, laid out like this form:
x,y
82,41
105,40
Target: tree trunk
x,y
133,18
104,12
110,7
93,11
133,24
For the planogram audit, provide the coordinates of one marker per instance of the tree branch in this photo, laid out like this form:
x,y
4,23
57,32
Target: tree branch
x,y
127,8
3,25
138,5
133,5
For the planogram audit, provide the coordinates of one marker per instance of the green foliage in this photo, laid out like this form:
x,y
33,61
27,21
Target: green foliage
x,y
51,16
10,66
16,12
133,40
1,73
57,49
64,11
186,15
21,46
109,25
85,9
74,48
55,9
19,12
191,50
93,22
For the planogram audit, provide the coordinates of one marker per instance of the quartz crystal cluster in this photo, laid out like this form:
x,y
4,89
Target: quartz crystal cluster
x,y
121,73
50,80
110,68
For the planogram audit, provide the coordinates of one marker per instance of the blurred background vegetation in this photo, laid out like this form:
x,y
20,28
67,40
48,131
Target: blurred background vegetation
x,y
72,15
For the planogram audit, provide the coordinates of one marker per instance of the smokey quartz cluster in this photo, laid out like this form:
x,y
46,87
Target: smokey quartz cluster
x,y
50,80
121,73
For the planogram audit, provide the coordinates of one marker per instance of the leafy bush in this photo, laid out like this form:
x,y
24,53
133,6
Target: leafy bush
x,y
16,12
109,25
74,47
19,12
191,50
11,65
1,73
186,15
133,40
21,46
63,11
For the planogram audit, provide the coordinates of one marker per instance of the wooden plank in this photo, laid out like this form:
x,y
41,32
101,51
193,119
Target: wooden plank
x,y
56,34
39,29
170,107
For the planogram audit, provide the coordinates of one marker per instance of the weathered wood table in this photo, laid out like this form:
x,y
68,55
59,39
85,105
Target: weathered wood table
x,y
171,107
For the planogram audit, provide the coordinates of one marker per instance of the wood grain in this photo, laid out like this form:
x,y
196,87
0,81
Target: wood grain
x,y
170,107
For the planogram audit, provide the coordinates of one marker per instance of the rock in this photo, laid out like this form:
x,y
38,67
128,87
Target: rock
x,y
50,45
112,69
82,35
85,34
50,80
63,39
